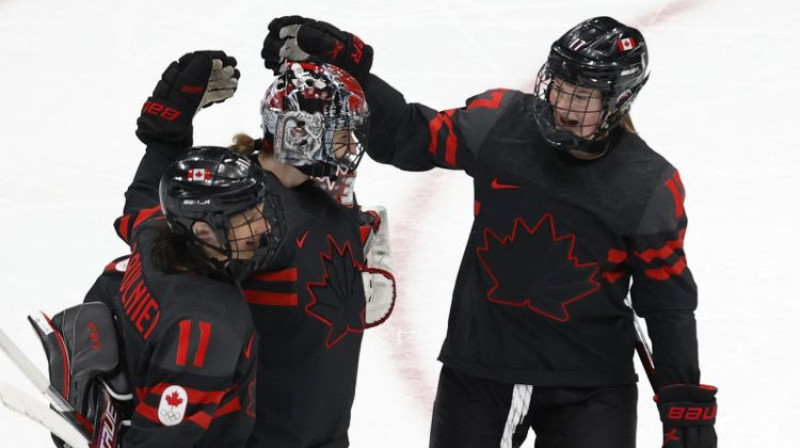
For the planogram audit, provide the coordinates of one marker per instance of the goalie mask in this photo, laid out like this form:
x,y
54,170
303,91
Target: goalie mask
x,y
588,84
228,194
316,117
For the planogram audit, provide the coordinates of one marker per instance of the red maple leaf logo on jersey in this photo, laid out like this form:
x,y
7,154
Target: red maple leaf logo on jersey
x,y
338,299
174,399
536,268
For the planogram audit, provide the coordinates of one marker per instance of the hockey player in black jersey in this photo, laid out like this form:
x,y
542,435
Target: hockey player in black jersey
x,y
189,346
310,308
184,373
571,206
189,340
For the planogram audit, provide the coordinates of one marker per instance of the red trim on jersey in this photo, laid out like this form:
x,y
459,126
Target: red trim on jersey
x,y
477,208
194,396
183,342
451,145
143,215
232,406
286,275
613,277
663,252
490,103
148,412
123,227
675,186
452,141
365,231
666,272
201,419
616,273
63,347
617,256
270,298
249,350
205,335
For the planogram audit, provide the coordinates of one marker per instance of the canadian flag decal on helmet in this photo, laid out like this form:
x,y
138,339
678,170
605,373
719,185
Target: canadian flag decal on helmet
x,y
626,44
199,174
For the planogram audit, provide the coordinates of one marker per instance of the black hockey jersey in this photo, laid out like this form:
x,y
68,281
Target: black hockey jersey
x,y
554,245
189,342
309,313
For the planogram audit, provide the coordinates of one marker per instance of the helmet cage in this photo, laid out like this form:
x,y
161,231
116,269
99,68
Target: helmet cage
x,y
213,186
617,75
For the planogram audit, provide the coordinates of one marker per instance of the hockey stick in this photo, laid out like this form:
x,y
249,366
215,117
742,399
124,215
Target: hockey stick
x,y
25,404
42,384
643,348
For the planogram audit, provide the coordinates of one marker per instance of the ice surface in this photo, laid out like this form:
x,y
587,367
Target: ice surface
x,y
720,106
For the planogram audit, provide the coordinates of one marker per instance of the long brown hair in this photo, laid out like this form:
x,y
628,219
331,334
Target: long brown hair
x,y
174,252
627,123
243,144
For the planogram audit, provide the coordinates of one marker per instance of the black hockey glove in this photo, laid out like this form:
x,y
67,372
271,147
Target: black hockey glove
x,y
281,43
688,413
195,81
298,39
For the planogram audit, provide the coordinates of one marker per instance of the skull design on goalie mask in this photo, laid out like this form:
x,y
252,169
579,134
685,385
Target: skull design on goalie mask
x,y
316,117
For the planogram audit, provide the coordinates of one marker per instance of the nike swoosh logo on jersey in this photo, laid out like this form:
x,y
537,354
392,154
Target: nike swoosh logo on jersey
x,y
302,240
496,185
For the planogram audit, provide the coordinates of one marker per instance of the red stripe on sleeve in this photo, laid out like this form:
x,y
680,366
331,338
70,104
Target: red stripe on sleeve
x,y
183,342
144,214
666,272
232,406
617,256
270,298
286,275
205,335
148,412
434,125
195,396
491,103
452,141
613,277
201,419
123,227
663,252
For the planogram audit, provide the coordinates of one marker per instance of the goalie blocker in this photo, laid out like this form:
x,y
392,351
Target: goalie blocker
x,y
85,367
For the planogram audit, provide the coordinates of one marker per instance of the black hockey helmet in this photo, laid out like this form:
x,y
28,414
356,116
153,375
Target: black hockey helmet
x,y
212,185
600,54
303,109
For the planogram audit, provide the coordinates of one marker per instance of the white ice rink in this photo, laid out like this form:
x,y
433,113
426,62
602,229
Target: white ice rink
x,y
720,105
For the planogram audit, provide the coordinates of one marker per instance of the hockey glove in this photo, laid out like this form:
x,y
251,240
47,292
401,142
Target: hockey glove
x,y
281,43
300,39
688,413
195,81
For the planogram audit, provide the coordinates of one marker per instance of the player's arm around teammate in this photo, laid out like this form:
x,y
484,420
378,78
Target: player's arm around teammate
x,y
580,108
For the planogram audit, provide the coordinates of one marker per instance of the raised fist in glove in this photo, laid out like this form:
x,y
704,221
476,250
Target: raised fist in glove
x,y
193,82
298,39
688,413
